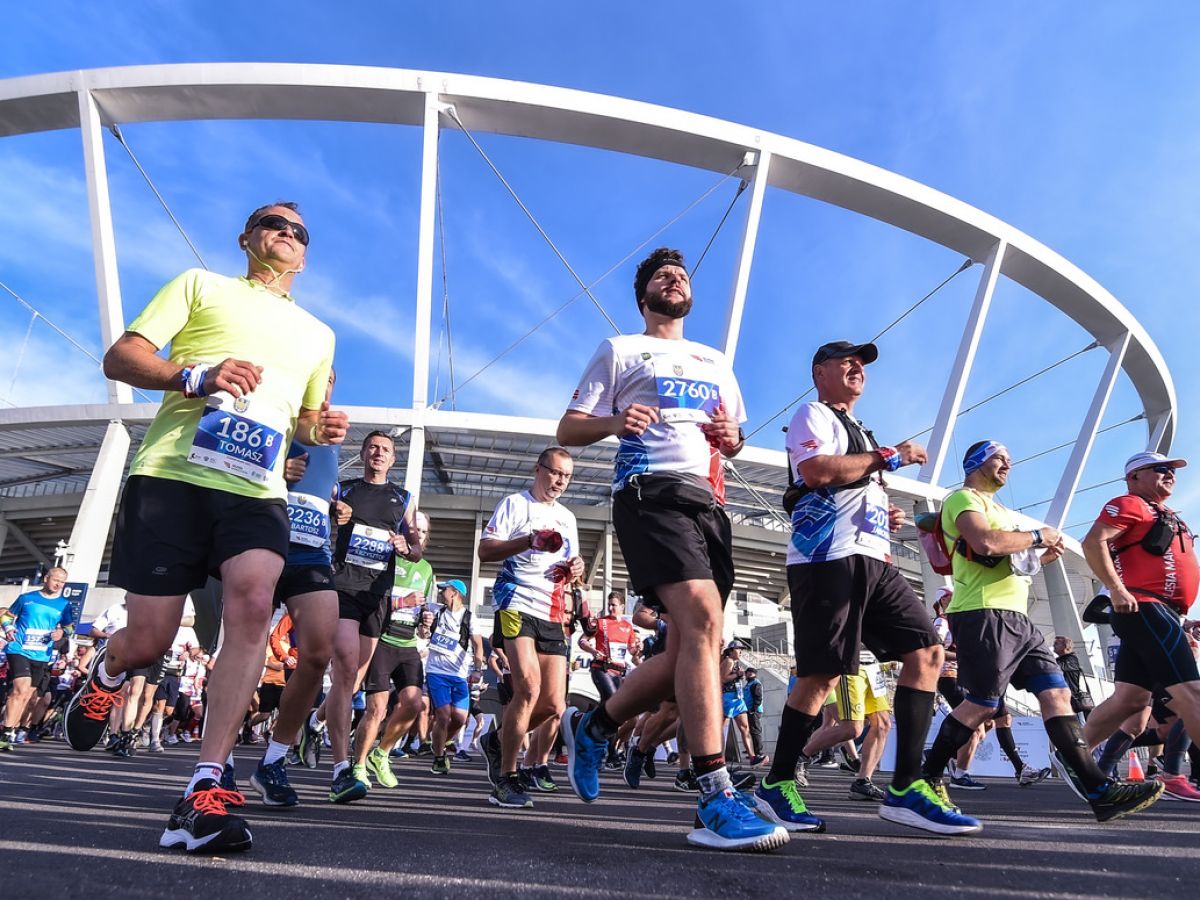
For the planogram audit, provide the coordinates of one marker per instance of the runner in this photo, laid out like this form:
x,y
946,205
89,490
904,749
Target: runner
x,y
676,408
997,644
167,694
40,620
733,703
396,663
753,695
453,647
374,528
1145,555
247,369
613,645
535,539
846,594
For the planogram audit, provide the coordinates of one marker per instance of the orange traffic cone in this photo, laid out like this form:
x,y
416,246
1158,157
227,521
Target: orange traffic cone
x,y
1136,773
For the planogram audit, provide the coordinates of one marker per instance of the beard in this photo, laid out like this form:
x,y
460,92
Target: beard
x,y
674,309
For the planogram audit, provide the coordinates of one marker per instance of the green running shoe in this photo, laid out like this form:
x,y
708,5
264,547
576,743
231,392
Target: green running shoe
x,y
379,764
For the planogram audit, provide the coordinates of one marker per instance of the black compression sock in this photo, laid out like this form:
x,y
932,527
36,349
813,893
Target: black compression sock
x,y
1114,749
1008,744
951,737
795,728
914,712
1067,738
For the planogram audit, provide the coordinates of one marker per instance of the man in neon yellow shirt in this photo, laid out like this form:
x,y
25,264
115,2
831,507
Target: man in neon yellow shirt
x,y
247,370
997,643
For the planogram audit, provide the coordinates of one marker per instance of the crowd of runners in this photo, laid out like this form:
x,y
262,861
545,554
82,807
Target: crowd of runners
x,y
341,648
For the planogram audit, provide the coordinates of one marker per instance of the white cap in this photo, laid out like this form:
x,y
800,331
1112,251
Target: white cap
x,y
1148,458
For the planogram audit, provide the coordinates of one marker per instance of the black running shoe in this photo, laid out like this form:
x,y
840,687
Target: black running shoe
x,y
635,763
309,750
202,824
742,780
540,780
490,745
648,766
272,782
126,746
510,793
87,713
1122,798
685,781
229,779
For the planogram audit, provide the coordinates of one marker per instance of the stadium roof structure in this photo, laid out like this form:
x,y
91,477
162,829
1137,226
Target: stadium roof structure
x,y
61,467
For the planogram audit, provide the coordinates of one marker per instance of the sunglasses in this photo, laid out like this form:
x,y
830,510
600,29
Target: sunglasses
x,y
1162,469
279,223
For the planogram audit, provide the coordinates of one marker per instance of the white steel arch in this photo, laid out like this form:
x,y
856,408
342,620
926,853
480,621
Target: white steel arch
x,y
94,99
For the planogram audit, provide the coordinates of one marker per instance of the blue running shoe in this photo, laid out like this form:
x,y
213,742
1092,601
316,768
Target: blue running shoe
x,y
920,806
782,804
585,755
271,780
229,779
728,821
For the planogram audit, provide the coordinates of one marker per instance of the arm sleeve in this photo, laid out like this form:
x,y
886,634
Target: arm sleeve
x,y
169,310
596,393
813,432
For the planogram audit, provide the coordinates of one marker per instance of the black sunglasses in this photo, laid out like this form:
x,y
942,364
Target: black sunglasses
x,y
279,223
1162,469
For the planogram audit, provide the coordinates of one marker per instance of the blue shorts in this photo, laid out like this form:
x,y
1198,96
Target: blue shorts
x,y
733,703
447,690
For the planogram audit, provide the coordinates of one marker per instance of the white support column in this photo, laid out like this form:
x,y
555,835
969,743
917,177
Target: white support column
x,y
1063,611
104,245
476,588
427,219
601,554
943,428
741,277
1061,504
1158,431
608,552
94,519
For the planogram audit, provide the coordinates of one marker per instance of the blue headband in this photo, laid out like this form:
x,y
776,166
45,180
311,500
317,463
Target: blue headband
x,y
981,455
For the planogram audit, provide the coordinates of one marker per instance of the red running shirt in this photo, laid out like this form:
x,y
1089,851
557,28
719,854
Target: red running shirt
x,y
1174,576
614,641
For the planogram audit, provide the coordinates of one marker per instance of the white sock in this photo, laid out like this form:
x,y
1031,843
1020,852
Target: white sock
x,y
315,723
340,767
209,770
156,728
229,759
275,752
109,681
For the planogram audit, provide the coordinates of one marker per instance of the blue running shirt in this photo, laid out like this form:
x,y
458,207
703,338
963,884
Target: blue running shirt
x,y
36,615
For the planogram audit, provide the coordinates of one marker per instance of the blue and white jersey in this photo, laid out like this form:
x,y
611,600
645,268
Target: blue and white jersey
x,y
447,655
832,523
533,582
35,617
308,506
684,380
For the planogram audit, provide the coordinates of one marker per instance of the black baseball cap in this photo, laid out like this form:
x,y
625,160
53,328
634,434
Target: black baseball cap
x,y
838,349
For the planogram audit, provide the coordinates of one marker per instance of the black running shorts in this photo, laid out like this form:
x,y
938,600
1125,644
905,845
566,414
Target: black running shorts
x,y
1154,649
152,673
998,647
391,665
841,604
365,608
666,546
172,535
20,666
268,697
548,637
168,690
299,580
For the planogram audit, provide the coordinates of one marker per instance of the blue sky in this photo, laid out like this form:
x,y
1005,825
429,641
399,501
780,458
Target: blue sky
x,y
1080,125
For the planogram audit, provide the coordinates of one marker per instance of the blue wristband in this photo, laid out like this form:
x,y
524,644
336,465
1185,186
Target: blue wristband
x,y
891,458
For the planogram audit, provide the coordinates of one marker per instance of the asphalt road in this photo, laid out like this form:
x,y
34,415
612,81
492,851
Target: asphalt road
x,y
88,824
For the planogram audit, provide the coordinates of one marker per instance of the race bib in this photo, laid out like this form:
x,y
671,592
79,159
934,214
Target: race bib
x,y
684,394
369,548
873,527
309,516
875,680
619,654
36,639
444,642
239,436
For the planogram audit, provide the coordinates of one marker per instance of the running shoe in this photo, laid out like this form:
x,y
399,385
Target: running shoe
x,y
1067,774
539,779
1177,787
939,788
463,756
490,745
310,745
561,759
424,749
964,782
635,763
685,782
760,759
229,779
585,755
348,787
201,822
6,743
648,766
846,762
729,821
126,744
186,737
1029,775
87,713
21,736
742,779
379,764
802,772
510,794
398,753
155,748
782,804
441,765
170,740
271,780
866,789
672,758
826,760
1115,799
919,806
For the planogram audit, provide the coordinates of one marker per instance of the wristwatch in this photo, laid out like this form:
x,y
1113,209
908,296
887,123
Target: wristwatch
x,y
1036,534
